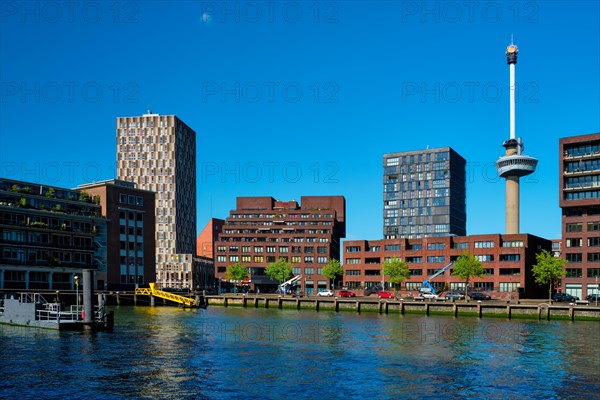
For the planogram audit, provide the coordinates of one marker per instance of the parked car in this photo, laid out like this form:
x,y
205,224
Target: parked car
x,y
429,295
558,297
454,296
327,293
593,297
373,290
384,294
346,293
480,296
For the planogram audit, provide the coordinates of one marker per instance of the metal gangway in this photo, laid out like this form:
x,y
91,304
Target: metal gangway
x,y
152,291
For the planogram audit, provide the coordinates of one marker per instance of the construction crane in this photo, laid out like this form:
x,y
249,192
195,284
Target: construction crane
x,y
152,291
286,286
426,287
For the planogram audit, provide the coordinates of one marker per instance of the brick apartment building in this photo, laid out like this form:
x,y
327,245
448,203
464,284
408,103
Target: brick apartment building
x,y
507,260
262,230
579,191
129,212
207,238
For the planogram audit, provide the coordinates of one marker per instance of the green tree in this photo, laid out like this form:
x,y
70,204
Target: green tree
x,y
396,271
50,193
548,270
467,266
333,269
237,272
280,270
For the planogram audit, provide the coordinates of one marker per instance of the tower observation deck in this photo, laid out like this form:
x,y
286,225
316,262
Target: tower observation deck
x,y
514,164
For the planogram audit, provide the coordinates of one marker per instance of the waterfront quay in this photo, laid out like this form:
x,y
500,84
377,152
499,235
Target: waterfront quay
x,y
534,309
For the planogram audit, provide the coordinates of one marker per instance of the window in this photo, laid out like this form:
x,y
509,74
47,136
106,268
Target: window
x,y
573,257
593,242
234,259
593,257
123,198
414,260
436,246
258,259
461,245
485,257
258,249
436,259
309,250
573,242
484,245
309,271
513,243
416,246
322,260
270,249
576,227
309,260
510,257
284,249
510,271
509,286
322,250
573,273
353,260
352,272
593,273
221,258
245,249
415,272
353,249
296,259
296,271
593,226
392,247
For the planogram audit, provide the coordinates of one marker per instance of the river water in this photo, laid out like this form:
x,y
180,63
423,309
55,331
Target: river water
x,y
223,353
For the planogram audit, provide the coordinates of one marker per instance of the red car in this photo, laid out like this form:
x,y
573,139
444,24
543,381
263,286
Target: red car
x,y
385,295
346,293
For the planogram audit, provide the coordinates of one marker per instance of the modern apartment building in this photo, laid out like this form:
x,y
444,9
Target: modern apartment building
x,y
48,235
579,177
130,232
507,260
158,153
424,194
261,230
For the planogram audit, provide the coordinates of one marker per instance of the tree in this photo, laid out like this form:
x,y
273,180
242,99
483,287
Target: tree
x,y
467,266
237,272
396,271
280,270
333,269
548,270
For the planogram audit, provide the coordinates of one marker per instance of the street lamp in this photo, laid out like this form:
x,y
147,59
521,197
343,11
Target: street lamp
x,y
76,279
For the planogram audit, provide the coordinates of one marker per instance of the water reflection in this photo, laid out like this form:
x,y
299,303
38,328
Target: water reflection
x,y
168,353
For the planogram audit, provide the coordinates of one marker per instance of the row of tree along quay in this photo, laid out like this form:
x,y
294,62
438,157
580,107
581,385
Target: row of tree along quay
x,y
547,271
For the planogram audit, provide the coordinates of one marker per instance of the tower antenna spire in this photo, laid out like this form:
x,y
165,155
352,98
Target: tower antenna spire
x,y
514,164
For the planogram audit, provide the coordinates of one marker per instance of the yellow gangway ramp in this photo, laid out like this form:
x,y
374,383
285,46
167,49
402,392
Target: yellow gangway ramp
x,y
152,291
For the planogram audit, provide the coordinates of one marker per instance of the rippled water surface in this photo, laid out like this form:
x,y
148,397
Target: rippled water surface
x,y
223,353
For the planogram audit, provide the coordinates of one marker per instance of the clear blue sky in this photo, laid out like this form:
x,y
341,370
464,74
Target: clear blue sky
x,y
318,89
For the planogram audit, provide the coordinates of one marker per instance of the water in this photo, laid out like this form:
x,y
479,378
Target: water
x,y
222,353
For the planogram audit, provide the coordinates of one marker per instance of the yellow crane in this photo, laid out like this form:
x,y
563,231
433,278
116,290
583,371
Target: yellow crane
x,y
152,291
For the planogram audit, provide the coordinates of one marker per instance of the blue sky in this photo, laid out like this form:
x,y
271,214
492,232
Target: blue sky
x,y
302,98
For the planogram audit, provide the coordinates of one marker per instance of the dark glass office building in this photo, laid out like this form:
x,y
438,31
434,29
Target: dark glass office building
x,y
424,194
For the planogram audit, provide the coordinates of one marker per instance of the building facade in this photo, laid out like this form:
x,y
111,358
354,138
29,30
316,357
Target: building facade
x,y
507,260
48,235
207,238
158,153
129,213
579,180
424,194
261,230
